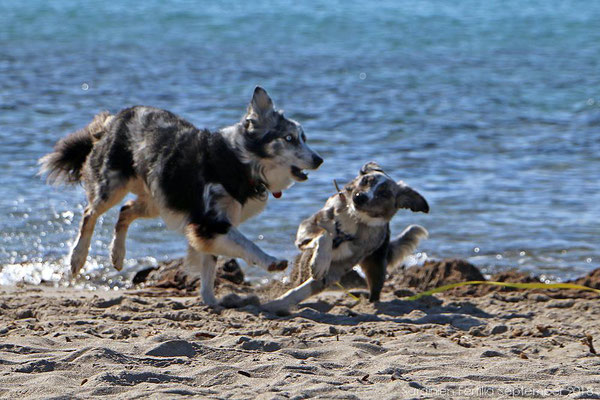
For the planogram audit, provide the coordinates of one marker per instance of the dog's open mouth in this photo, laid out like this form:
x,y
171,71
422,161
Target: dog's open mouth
x,y
298,174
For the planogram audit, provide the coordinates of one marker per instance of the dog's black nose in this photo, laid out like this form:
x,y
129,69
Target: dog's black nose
x,y
360,199
317,160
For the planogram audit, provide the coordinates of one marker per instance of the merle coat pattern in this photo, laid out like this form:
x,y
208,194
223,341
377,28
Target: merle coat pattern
x,y
203,184
353,229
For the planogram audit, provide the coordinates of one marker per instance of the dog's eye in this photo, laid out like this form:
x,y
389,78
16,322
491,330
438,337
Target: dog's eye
x,y
367,180
289,138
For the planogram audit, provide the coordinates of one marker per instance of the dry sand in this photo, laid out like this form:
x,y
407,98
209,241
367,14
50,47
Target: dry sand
x,y
151,343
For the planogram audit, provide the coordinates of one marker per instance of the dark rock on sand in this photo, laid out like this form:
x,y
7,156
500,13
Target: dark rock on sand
x,y
142,276
437,273
169,274
173,275
591,280
513,276
491,353
505,276
433,274
498,329
230,270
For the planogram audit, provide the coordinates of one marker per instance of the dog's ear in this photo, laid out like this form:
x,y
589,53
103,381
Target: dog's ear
x,y
369,167
260,108
409,198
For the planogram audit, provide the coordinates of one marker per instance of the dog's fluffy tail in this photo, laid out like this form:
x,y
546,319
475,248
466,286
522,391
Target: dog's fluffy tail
x,y
403,245
65,163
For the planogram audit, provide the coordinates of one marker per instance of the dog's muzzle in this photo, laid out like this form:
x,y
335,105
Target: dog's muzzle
x,y
317,161
300,175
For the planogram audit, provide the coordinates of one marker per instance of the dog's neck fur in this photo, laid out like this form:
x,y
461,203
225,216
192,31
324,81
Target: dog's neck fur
x,y
225,166
234,137
356,232
345,206
364,218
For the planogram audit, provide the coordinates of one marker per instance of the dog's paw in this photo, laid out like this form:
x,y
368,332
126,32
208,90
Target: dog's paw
x,y
117,261
277,265
77,262
208,298
117,255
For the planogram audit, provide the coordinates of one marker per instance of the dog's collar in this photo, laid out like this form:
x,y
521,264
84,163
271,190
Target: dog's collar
x,y
340,236
259,189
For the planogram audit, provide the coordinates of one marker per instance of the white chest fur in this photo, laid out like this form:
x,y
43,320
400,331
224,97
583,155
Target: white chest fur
x,y
253,207
342,252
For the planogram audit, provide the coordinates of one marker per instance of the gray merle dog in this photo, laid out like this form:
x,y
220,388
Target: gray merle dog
x,y
203,184
353,228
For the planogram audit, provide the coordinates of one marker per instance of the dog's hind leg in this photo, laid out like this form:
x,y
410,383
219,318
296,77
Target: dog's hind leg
x,y
205,264
132,210
374,266
92,212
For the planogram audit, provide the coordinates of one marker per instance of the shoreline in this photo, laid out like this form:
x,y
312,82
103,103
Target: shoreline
x,y
55,273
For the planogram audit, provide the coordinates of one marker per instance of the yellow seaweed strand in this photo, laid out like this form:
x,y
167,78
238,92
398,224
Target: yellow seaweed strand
x,y
532,285
347,292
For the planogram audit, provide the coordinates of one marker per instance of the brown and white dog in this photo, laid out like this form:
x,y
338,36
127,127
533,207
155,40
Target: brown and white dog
x,y
353,228
203,184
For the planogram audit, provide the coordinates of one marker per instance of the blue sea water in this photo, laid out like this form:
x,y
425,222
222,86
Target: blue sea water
x,y
490,109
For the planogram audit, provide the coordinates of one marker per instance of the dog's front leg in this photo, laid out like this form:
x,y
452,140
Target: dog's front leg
x,y
320,260
205,264
234,244
294,296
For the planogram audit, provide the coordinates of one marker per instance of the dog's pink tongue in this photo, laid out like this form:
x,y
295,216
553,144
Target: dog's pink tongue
x,y
277,194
